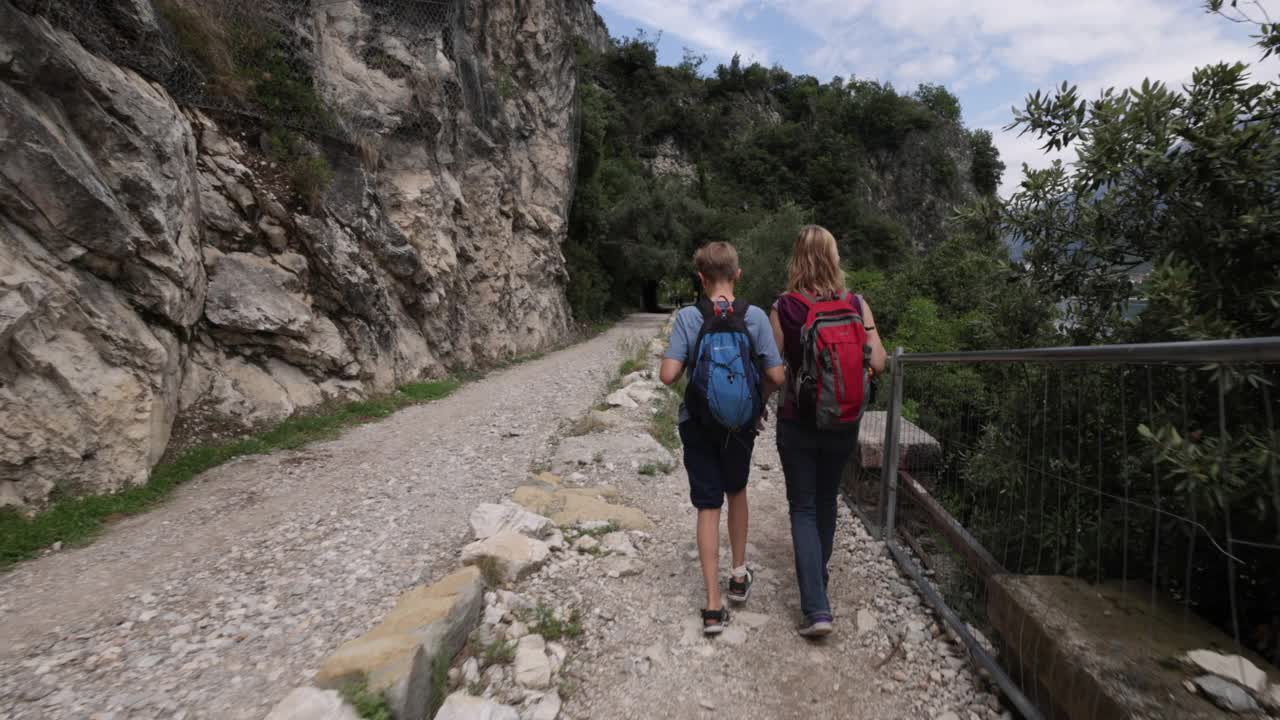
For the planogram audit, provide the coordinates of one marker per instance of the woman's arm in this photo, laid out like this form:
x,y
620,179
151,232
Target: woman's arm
x,y
878,355
776,324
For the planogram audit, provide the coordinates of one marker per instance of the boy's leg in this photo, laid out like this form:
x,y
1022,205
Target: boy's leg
x,y
702,463
709,554
735,470
738,528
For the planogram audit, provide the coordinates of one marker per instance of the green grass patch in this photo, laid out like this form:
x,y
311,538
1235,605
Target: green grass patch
x,y
651,469
368,705
492,569
499,652
77,520
551,627
439,683
664,427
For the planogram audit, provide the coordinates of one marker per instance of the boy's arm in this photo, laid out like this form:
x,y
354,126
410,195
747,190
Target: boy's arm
x,y
670,370
775,373
677,353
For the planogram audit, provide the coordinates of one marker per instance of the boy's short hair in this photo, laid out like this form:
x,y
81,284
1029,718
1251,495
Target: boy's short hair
x,y
717,261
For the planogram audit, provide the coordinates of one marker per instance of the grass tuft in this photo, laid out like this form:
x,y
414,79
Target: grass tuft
x,y
650,469
492,569
549,625
76,520
439,683
664,426
368,705
499,652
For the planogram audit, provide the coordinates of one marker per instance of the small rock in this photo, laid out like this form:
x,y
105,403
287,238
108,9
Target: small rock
x,y
867,621
948,715
471,671
1226,694
308,703
586,544
489,519
616,566
517,630
621,399
548,708
532,667
618,543
707,704
1231,667
461,706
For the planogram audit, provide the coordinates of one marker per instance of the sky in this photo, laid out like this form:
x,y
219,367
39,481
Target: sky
x,y
990,53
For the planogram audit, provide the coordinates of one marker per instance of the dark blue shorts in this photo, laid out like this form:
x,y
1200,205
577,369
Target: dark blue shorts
x,y
718,463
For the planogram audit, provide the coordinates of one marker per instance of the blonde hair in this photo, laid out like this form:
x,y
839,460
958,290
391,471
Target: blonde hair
x,y
717,261
815,263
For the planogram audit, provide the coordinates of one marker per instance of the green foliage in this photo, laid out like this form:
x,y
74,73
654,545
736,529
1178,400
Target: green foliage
x,y
76,520
664,427
940,100
310,175
651,469
768,151
493,570
368,705
548,623
499,652
987,169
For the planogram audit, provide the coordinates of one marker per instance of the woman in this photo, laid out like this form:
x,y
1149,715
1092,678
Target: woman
x,y
813,460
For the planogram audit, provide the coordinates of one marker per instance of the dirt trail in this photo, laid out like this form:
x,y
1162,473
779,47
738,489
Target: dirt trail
x,y
215,604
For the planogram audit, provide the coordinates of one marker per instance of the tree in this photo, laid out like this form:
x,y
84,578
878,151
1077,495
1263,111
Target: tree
x,y
940,100
987,169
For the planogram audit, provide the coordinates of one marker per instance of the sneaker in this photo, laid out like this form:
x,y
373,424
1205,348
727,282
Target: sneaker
x,y
740,590
816,626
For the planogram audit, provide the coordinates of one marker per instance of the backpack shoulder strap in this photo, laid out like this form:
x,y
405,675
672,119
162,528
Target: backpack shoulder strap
x,y
740,308
802,297
704,307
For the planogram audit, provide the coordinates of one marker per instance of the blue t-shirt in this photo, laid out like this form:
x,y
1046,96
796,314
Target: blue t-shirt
x,y
684,334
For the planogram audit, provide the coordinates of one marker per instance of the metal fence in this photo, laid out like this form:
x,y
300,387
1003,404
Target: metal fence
x,y
1140,477
258,58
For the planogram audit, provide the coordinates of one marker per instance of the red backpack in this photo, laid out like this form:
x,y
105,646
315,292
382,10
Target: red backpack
x,y
832,384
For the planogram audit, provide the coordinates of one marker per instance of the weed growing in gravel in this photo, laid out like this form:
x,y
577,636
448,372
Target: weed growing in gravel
x,y
585,425
651,469
663,427
573,533
551,627
499,652
368,705
76,520
492,569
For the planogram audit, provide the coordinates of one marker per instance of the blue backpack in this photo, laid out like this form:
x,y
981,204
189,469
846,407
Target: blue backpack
x,y
724,378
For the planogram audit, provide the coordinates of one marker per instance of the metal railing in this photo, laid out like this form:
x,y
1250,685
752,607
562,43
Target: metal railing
x,y
1151,463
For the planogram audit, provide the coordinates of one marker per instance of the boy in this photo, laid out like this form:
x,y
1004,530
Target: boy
x,y
718,460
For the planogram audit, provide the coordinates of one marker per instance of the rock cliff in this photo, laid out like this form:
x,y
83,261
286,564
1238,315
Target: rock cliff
x,y
157,271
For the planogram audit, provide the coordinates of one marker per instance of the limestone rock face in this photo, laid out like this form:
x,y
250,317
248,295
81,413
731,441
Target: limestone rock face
x,y
157,275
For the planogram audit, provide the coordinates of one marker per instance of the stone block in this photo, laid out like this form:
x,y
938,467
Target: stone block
x,y
308,703
1101,651
918,451
396,656
460,706
518,554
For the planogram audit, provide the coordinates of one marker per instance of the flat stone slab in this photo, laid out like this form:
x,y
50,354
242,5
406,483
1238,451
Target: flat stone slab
x,y
395,657
624,448
1100,652
518,554
917,449
570,506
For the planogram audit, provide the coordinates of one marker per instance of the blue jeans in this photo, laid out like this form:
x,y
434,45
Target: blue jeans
x,y
813,462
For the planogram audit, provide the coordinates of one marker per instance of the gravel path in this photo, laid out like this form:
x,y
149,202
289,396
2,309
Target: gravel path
x,y
217,603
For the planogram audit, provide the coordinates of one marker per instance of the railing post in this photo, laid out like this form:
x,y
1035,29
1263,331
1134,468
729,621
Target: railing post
x,y
889,459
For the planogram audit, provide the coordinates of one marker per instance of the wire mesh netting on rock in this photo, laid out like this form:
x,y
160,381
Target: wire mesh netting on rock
x,y
338,68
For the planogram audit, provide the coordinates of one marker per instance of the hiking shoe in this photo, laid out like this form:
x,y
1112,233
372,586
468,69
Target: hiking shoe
x,y
815,626
713,621
740,590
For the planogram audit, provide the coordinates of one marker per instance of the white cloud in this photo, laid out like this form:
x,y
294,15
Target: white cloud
x,y
707,25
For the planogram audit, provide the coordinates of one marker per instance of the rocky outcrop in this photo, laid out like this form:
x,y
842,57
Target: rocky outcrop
x,y
156,271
